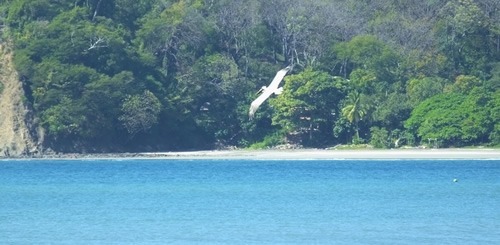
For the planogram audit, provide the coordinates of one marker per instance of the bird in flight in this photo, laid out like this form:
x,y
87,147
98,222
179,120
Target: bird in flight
x,y
267,91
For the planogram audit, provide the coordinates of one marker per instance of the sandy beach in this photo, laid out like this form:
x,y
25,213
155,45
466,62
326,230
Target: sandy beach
x,y
295,154
302,154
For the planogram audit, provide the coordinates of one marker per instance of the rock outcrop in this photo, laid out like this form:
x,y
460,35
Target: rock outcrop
x,y
16,124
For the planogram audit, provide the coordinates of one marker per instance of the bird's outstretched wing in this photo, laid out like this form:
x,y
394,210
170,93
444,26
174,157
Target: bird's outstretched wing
x,y
257,102
273,87
278,78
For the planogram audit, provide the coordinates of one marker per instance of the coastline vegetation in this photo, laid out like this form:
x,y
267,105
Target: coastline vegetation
x,y
161,75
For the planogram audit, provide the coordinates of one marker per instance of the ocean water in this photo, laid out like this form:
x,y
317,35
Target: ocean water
x,y
249,202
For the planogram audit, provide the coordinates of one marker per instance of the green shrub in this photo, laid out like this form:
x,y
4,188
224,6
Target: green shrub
x,y
379,137
495,135
269,141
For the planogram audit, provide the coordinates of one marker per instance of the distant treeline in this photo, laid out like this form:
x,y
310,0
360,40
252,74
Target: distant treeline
x,y
151,75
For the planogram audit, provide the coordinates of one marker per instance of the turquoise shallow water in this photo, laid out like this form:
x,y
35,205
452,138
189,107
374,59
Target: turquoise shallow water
x,y
249,202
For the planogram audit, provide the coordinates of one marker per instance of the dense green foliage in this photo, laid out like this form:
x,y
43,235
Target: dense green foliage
x,y
129,75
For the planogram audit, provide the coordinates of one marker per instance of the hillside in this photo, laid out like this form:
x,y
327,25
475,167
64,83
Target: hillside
x,y
15,138
170,75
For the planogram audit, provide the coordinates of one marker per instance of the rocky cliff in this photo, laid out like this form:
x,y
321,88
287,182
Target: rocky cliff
x,y
16,125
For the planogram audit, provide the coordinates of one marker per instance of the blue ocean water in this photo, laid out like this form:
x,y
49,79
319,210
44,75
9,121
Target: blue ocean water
x,y
249,202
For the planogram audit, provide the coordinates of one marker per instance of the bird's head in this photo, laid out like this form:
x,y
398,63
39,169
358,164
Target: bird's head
x,y
261,89
289,68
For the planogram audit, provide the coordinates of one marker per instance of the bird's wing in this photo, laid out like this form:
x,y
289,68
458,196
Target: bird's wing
x,y
257,102
277,79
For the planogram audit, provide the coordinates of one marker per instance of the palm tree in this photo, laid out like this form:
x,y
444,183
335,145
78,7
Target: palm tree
x,y
355,110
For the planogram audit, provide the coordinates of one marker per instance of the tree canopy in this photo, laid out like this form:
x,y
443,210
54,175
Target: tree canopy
x,y
126,75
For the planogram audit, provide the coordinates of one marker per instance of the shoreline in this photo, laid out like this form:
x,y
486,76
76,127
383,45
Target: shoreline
x,y
296,154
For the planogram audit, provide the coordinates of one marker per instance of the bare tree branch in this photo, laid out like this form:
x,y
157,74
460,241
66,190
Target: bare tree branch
x,y
97,42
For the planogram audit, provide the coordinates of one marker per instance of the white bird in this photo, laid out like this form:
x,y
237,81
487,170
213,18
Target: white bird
x,y
267,91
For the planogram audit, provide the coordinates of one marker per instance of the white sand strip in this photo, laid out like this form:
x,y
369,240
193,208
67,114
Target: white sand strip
x,y
331,154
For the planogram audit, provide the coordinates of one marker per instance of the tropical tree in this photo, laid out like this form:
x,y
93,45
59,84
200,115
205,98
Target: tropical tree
x,y
420,89
173,35
495,113
308,105
454,119
391,110
379,137
464,84
368,53
355,110
140,112
463,34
